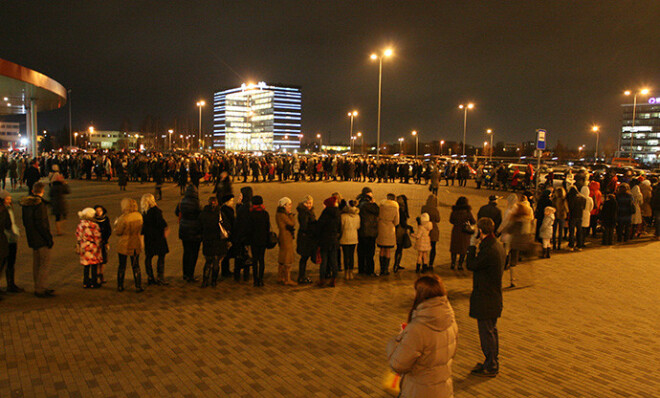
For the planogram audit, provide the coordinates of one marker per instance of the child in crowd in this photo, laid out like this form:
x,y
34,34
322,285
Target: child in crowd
x,y
88,236
608,219
101,219
545,233
423,241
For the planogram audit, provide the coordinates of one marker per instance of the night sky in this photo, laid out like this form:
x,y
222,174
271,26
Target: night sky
x,y
558,65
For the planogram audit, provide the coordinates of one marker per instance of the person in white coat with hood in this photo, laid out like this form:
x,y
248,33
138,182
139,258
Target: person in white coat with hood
x,y
423,352
586,214
423,240
350,223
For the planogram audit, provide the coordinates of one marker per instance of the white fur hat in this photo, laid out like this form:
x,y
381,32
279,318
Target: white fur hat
x,y
283,202
87,213
424,217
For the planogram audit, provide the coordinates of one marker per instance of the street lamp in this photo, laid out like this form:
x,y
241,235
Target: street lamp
x,y
75,139
643,91
320,141
200,104
170,131
442,142
352,115
580,148
374,56
465,109
490,133
359,134
596,130
401,145
414,133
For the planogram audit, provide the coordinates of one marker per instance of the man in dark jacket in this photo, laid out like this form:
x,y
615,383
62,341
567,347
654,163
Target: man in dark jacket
x,y
486,299
490,210
329,231
576,205
190,231
32,174
215,244
367,233
544,201
239,234
40,240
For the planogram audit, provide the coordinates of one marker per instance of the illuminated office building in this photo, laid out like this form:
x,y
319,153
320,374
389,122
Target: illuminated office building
x,y
646,141
257,117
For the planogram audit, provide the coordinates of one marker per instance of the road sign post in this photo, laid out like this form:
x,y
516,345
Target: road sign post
x,y
540,146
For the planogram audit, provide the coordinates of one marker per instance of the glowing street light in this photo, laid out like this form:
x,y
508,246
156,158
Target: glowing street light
x,y
414,133
320,141
361,137
352,115
401,145
442,143
75,139
643,91
200,104
170,131
465,109
596,130
387,53
491,134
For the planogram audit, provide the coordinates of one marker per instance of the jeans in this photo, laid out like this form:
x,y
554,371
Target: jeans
x,y
608,234
258,253
40,266
623,231
574,231
366,250
190,255
489,342
349,256
329,261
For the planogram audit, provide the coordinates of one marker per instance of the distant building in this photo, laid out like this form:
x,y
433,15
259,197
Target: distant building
x,y
646,140
257,117
9,135
113,139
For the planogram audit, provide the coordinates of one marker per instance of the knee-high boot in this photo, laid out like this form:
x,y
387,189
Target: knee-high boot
x,y
384,265
95,276
397,261
137,276
86,283
160,269
214,274
150,272
121,272
206,275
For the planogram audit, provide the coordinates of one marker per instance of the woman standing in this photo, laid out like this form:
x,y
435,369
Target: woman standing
x,y
423,241
625,211
286,223
190,231
306,243
431,208
402,231
638,200
58,188
101,218
388,219
128,228
423,351
88,237
12,235
461,215
155,231
329,230
259,229
215,241
350,223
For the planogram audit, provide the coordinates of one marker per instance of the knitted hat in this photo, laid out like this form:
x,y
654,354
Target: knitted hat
x,y
424,217
257,200
283,202
87,213
330,202
366,190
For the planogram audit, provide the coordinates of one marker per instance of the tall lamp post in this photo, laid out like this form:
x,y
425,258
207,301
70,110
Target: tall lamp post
x,y
401,145
200,104
596,130
361,137
320,142
490,133
170,131
465,109
387,53
68,98
75,139
442,143
643,91
414,133
352,115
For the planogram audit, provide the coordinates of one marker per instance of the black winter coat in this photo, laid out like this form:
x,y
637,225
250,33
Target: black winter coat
x,y
368,219
329,228
188,212
153,229
35,221
625,207
608,213
57,191
487,267
31,175
306,241
213,243
258,227
491,211
240,234
5,224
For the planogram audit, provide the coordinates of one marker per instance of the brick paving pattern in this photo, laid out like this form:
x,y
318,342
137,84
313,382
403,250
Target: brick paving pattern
x,y
578,325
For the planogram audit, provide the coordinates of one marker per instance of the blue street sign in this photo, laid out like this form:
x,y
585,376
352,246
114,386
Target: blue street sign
x,y
540,139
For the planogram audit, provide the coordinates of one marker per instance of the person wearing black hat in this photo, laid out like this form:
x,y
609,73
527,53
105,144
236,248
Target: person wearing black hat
x,y
368,232
228,219
491,211
239,234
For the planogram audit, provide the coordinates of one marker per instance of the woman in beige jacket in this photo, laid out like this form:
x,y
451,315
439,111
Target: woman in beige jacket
x,y
424,350
286,222
128,228
388,219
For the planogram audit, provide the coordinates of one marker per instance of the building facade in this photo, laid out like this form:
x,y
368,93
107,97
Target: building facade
x,y
9,135
642,141
113,139
258,117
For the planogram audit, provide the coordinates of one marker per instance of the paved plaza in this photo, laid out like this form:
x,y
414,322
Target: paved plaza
x,y
577,325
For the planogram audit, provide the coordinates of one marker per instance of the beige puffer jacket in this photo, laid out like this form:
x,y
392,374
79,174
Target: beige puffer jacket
x,y
423,352
388,219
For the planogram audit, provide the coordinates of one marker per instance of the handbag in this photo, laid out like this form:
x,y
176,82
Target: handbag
x,y
468,228
406,242
272,240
